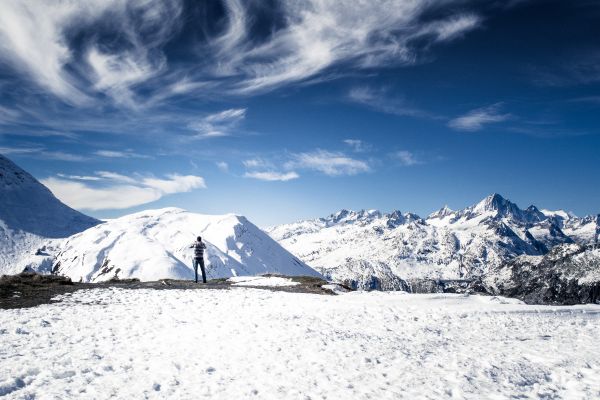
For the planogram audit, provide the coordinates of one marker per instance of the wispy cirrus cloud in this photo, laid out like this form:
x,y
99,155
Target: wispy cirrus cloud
x,y
320,34
272,175
41,152
287,166
477,119
381,100
257,162
37,38
219,124
108,190
328,162
119,154
406,158
51,44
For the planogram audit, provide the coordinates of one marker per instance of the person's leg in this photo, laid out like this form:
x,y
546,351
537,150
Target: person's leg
x,y
196,269
203,271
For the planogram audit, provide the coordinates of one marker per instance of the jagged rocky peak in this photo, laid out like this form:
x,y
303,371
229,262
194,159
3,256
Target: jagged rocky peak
x,y
397,218
349,216
498,207
495,202
442,212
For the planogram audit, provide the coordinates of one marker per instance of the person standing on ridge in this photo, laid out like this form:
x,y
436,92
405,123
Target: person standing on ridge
x,y
199,248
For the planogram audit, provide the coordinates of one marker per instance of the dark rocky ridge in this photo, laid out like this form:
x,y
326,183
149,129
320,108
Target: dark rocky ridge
x,y
568,274
30,289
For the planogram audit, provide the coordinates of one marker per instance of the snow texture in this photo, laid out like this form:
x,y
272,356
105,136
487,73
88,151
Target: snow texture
x,y
268,281
371,250
252,343
155,244
30,215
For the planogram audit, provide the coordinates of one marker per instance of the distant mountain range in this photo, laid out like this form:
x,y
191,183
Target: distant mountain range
x,y
372,250
39,232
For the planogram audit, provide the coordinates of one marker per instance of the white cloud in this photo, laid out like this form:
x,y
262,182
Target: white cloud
x,y
115,177
119,154
476,119
116,73
44,41
80,177
117,191
320,34
223,166
43,153
327,162
257,163
175,183
36,38
406,158
453,27
19,150
272,175
218,124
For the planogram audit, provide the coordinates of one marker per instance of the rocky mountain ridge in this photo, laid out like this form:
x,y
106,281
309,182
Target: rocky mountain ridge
x,y
374,250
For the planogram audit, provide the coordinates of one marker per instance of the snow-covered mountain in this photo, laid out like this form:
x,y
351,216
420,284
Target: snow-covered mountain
x,y
369,249
30,215
567,274
154,244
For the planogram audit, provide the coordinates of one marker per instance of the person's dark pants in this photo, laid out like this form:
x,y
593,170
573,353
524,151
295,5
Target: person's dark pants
x,y
199,261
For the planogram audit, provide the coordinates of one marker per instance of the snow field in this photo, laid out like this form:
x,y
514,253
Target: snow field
x,y
267,281
251,343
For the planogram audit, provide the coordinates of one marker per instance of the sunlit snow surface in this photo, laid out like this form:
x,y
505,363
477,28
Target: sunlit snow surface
x,y
253,343
155,244
272,281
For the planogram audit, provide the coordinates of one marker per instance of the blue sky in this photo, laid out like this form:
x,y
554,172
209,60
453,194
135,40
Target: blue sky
x,y
281,110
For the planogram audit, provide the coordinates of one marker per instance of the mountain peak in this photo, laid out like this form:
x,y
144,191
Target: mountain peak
x,y
493,202
12,176
500,207
441,213
28,206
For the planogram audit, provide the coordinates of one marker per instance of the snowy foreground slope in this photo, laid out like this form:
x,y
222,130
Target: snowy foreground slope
x,y
368,249
154,244
251,343
30,215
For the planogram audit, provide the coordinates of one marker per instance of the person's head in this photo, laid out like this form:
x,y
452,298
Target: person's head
x,y
199,238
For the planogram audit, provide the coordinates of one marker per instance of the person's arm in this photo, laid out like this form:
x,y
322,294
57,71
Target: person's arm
x,y
203,245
